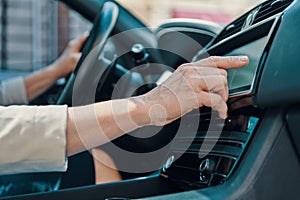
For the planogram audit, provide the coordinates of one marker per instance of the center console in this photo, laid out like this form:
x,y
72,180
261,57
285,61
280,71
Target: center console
x,y
214,153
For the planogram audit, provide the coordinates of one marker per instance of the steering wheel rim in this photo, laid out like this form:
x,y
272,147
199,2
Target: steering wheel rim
x,y
103,26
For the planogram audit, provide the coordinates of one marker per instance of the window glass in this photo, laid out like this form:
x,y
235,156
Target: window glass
x,y
34,33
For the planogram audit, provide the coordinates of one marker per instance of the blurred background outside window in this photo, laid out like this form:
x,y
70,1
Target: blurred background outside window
x,y
34,32
152,12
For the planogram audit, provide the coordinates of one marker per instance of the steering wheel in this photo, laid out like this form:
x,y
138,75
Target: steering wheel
x,y
90,66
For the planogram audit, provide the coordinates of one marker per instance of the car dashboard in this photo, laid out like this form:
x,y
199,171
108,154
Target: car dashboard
x,y
240,157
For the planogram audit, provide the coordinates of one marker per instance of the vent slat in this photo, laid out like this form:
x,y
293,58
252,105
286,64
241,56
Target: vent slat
x,y
226,135
269,12
218,149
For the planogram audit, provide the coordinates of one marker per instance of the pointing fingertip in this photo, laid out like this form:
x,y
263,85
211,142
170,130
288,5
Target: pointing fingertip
x,y
244,59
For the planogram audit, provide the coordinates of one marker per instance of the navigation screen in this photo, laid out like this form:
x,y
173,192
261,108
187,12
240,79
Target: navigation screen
x,y
242,78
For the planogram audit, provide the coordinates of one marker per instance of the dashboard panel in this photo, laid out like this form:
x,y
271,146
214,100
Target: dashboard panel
x,y
199,167
246,162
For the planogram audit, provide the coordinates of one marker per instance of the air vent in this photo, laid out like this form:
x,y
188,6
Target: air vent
x,y
259,13
231,29
203,166
271,8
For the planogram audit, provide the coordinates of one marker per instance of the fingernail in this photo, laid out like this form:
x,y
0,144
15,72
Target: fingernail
x,y
244,59
223,115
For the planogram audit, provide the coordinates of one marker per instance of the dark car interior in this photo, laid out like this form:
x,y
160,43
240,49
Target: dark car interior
x,y
253,154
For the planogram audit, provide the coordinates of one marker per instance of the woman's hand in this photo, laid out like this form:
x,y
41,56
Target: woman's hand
x,y
192,85
65,64
36,83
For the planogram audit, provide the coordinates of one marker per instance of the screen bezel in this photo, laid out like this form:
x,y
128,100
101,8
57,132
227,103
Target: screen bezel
x,y
241,79
257,31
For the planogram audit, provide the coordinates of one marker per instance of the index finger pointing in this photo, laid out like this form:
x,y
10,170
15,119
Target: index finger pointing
x,y
224,62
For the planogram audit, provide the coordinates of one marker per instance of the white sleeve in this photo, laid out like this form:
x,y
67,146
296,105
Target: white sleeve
x,y
32,139
13,91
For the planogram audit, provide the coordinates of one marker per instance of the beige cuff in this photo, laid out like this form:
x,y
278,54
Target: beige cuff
x,y
13,91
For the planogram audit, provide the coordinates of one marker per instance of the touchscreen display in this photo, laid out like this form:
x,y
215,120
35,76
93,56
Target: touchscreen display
x,y
241,79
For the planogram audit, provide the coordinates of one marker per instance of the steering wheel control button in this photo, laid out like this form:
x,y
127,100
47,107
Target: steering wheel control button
x,y
168,163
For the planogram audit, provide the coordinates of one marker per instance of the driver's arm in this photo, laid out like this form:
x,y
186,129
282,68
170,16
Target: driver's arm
x,y
20,90
193,85
38,139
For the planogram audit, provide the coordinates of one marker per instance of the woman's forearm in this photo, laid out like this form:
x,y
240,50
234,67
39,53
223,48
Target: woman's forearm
x,y
39,81
94,125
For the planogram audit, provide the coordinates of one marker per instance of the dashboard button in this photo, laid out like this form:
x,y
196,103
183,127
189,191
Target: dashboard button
x,y
207,166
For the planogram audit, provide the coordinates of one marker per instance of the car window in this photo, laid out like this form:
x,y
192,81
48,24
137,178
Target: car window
x,y
34,33
222,11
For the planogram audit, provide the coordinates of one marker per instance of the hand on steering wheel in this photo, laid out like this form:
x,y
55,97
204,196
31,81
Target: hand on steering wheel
x,y
88,68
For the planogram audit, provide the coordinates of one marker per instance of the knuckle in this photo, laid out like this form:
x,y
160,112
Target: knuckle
x,y
72,43
230,59
223,72
181,67
224,79
218,100
185,65
74,58
187,71
213,59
